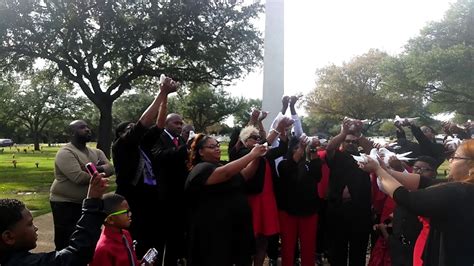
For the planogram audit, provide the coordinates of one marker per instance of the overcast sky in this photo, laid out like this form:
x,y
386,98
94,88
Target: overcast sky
x,y
321,32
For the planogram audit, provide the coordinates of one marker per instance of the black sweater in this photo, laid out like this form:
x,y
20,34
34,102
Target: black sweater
x,y
299,192
450,208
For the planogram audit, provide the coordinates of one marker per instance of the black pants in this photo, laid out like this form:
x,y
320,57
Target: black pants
x,y
350,229
322,238
145,216
172,232
65,217
273,248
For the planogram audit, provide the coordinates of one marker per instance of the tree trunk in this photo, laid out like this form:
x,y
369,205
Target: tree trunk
x,y
36,140
104,140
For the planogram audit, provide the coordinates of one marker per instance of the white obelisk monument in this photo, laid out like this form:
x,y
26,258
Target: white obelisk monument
x,y
273,62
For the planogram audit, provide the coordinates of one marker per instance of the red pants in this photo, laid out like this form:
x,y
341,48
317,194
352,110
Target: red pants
x,y
292,228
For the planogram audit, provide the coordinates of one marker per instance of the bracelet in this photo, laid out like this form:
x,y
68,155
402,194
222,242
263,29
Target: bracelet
x,y
274,130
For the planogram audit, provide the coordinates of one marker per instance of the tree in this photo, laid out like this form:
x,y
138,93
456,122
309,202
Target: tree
x,y
356,89
439,63
205,106
130,107
242,116
105,46
39,99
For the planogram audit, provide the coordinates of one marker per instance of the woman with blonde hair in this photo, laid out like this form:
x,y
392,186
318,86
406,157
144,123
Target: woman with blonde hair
x,y
449,206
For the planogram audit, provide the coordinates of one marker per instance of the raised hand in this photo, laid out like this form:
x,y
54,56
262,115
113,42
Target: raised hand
x,y
293,100
263,115
254,115
259,150
304,141
97,186
285,100
168,85
346,125
283,124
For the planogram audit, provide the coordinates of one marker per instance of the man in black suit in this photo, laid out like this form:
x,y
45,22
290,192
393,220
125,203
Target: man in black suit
x,y
169,164
135,179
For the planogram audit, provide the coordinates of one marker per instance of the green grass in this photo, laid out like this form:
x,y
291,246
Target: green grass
x,y
27,182
443,170
224,155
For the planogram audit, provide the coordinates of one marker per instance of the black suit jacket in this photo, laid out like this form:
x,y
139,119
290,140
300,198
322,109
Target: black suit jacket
x,y
169,165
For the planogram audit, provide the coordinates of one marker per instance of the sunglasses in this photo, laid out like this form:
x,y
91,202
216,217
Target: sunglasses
x,y
255,137
354,141
120,212
421,169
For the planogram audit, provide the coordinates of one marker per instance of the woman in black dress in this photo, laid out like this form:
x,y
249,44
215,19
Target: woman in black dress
x,y
449,206
220,219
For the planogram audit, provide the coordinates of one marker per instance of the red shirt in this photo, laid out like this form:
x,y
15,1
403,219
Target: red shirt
x,y
111,248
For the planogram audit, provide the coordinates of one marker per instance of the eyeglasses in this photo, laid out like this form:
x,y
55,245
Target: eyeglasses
x,y
213,146
354,141
128,212
454,157
254,137
421,169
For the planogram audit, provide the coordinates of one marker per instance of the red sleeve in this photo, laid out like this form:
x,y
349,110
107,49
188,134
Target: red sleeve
x,y
102,257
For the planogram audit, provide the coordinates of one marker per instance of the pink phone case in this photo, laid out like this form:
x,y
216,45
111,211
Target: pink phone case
x,y
91,168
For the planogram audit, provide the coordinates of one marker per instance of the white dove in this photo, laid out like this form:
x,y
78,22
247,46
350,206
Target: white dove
x,y
364,121
387,154
191,135
452,143
162,79
363,157
402,119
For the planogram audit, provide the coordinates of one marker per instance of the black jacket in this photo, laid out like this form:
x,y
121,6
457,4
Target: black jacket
x,y
450,208
299,192
126,155
425,146
254,185
169,165
81,246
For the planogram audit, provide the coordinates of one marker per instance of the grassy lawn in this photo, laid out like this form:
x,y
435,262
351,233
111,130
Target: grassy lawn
x,y
27,182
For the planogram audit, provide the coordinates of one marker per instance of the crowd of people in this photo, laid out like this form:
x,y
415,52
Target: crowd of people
x,y
281,194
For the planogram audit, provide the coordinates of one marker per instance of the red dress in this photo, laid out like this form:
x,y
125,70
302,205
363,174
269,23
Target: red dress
x,y
380,255
264,207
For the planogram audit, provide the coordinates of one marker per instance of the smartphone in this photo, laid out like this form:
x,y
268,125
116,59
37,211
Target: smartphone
x,y
91,168
150,256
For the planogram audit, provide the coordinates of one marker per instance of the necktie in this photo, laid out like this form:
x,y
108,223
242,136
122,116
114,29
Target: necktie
x,y
175,141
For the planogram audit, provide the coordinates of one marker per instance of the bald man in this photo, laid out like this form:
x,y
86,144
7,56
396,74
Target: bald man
x,y
71,180
169,163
